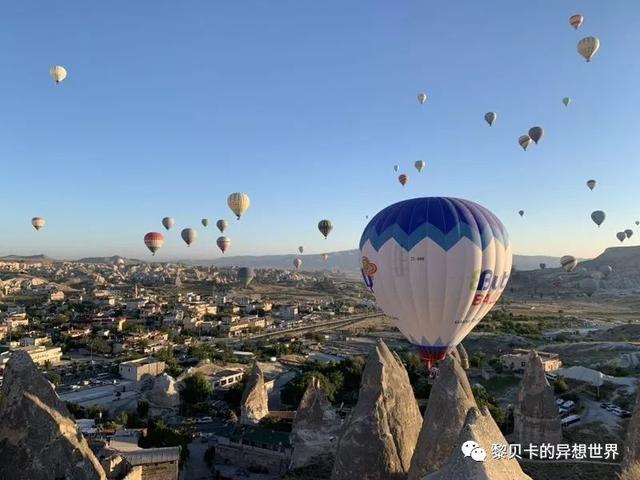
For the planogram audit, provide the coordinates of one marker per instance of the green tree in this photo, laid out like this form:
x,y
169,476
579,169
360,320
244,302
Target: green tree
x,y
560,385
166,355
160,435
197,389
143,409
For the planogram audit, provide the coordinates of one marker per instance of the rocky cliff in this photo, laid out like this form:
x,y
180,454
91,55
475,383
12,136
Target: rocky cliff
x,y
163,394
380,435
38,439
479,428
255,402
536,417
449,402
314,434
631,456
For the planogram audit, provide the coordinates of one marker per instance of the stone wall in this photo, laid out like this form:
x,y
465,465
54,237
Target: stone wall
x,y
248,456
160,471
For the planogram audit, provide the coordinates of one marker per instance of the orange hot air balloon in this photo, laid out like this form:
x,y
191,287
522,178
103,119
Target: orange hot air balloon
x,y
154,241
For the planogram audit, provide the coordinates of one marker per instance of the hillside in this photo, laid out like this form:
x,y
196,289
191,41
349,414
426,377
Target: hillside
x,y
28,258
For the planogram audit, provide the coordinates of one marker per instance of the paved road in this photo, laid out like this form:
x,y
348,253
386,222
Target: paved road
x,y
195,468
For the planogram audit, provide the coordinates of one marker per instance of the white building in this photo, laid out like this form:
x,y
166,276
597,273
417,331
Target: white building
x,y
136,369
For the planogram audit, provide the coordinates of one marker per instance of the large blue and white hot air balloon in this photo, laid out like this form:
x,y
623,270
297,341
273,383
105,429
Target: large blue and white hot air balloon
x,y
436,265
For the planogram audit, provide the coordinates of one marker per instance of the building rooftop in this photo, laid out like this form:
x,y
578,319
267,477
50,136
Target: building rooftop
x,y
148,456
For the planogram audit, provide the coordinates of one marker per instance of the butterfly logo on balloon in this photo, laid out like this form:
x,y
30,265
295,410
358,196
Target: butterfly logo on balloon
x,y
369,269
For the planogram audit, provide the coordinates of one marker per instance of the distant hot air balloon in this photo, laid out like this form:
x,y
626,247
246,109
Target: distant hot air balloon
x,y
521,213
566,101
536,134
238,203
490,117
325,256
524,141
422,97
598,217
588,46
420,164
325,227
568,263
58,73
628,232
301,249
621,236
606,270
223,243
637,222
589,286
38,223
297,263
543,266
575,21
396,168
168,222
403,179
591,184
154,241
222,225
205,222
407,250
189,235
246,275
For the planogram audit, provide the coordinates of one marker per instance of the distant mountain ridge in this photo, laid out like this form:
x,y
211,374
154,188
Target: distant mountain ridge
x,y
28,258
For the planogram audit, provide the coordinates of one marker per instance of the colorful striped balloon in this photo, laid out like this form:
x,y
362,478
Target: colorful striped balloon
x,y
238,203
154,241
38,223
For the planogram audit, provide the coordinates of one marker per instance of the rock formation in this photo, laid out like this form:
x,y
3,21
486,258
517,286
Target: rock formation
x,y
381,433
163,394
464,356
479,427
536,417
631,457
38,439
314,434
449,402
255,402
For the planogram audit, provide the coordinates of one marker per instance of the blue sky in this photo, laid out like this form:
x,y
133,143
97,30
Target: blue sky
x,y
304,105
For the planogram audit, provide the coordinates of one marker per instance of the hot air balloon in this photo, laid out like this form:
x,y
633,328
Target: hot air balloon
x,y
543,266
403,179
598,217
297,263
189,235
205,222
490,117
422,97
58,73
154,241
246,275
591,184
420,164
566,101
325,227
621,236
524,141
628,232
168,222
325,256
301,249
38,223
588,46
223,243
637,222
575,21
436,266
568,263
521,213
536,134
238,203
222,225
606,270
589,286
396,168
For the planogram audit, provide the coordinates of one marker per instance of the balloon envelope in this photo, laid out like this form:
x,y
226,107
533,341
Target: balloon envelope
x,y
436,266
524,141
566,101
628,232
238,203
543,266
589,286
246,275
325,256
575,21
490,117
38,223
536,134
297,263
189,235
396,168
403,179
621,236
420,164
223,243
591,184
325,227
521,213
568,263
422,97
606,270
222,225
301,249
58,73
205,222
598,217
588,46
154,241
168,222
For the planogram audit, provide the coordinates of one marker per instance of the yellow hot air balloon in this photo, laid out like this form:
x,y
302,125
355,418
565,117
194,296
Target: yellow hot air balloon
x,y
238,203
588,46
58,73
